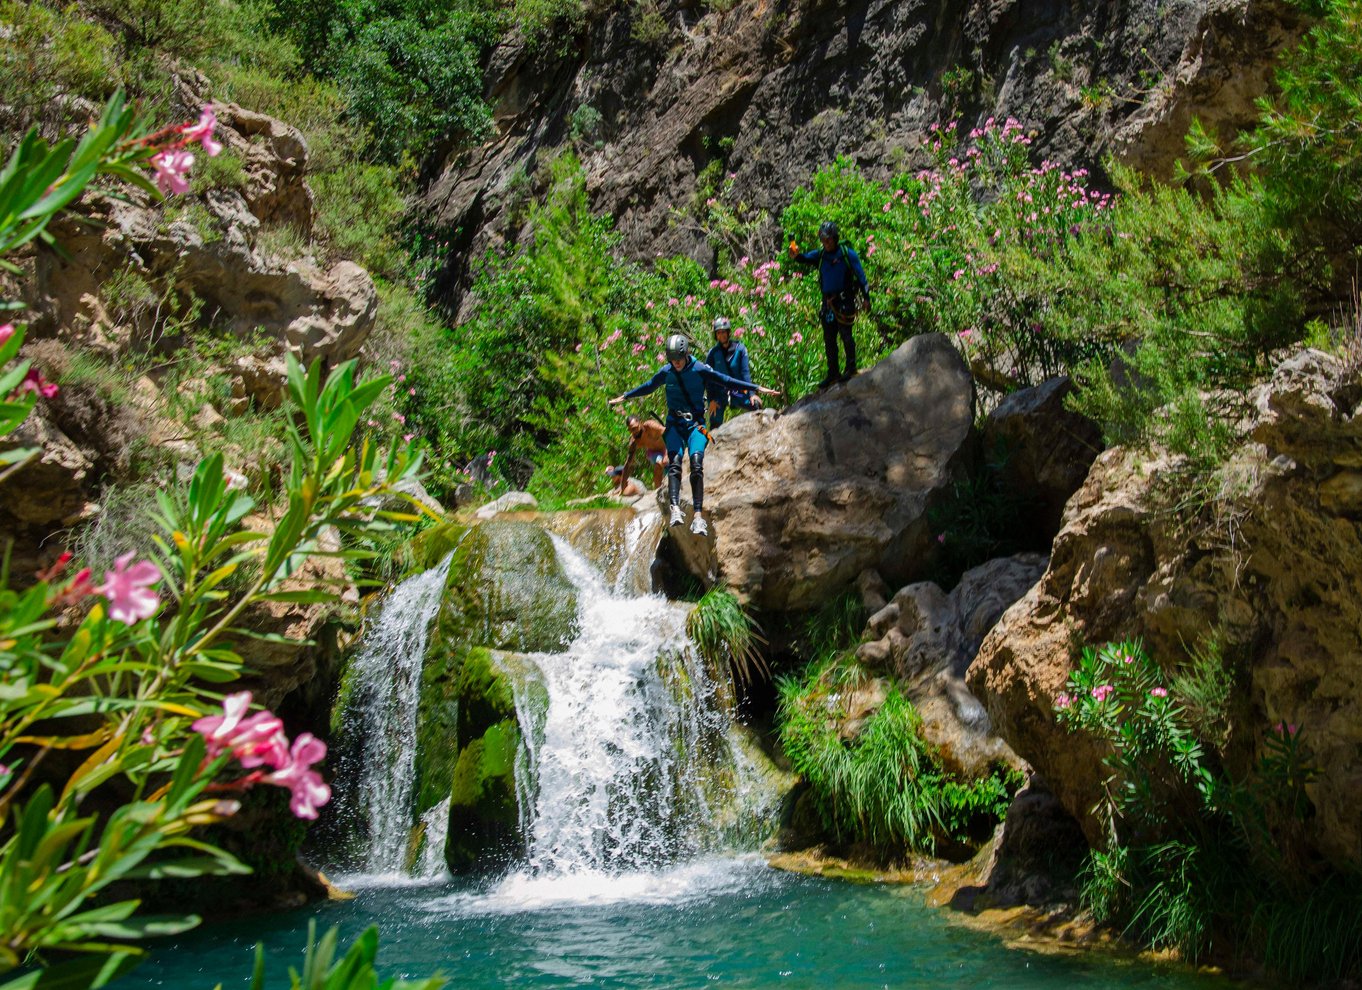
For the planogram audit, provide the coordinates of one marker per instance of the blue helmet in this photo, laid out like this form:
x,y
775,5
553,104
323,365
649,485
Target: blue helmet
x,y
828,230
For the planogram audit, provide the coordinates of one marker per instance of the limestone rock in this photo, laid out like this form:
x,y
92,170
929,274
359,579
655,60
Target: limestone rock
x,y
510,502
927,639
50,488
1046,449
800,502
205,249
274,159
1283,596
261,379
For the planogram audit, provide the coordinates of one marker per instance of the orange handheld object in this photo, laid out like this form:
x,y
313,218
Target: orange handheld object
x,y
794,248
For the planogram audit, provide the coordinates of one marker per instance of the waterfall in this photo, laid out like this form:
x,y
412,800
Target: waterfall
x,y
380,714
615,774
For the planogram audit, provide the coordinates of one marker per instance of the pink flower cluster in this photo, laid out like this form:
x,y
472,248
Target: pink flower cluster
x,y
128,589
1102,692
172,162
258,741
1063,700
36,383
1158,692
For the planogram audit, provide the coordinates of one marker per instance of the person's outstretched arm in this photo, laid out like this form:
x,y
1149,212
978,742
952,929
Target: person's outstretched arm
x,y
718,378
628,461
651,385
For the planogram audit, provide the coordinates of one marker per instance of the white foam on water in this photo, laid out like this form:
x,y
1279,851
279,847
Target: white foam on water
x,y
526,892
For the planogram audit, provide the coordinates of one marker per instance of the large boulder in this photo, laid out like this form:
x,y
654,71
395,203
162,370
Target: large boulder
x,y
1045,450
927,639
803,500
1272,564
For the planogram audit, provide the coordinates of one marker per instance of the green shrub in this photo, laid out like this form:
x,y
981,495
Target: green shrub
x,y
359,210
882,786
223,171
1198,859
46,53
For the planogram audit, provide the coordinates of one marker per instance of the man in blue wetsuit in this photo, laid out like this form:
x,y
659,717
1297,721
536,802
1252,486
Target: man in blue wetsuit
x,y
728,357
685,379
841,279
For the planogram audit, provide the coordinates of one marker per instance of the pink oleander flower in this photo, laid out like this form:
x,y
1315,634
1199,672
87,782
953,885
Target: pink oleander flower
x,y
203,131
1063,700
307,790
255,740
1102,692
408,437
128,589
6,332
1158,692
35,382
171,168
1286,728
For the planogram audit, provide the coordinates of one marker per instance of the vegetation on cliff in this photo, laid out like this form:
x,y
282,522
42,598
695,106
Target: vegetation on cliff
x,y
1203,857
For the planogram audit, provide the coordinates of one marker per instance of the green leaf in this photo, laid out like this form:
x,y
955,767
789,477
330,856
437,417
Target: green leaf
x,y
148,926
87,973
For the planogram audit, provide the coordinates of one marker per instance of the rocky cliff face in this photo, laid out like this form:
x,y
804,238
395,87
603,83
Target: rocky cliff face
x,y
1272,566
661,97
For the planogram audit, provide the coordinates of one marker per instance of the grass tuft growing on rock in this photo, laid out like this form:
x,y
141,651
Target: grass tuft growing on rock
x,y
726,635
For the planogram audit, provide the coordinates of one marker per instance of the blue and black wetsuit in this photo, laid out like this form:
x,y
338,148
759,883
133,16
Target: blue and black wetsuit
x,y
686,420
839,276
735,364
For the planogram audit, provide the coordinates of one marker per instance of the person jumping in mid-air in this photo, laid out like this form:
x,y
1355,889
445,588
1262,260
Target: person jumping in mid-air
x,y
840,277
685,379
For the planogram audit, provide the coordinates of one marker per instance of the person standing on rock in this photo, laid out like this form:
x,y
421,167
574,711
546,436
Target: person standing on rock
x,y
728,357
842,281
648,436
685,379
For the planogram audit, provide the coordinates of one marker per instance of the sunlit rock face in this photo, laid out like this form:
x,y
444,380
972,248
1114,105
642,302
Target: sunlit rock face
x,y
1271,563
653,95
802,501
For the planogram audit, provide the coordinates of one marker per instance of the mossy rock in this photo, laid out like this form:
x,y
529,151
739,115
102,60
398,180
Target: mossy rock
x,y
506,590
460,699
484,830
429,546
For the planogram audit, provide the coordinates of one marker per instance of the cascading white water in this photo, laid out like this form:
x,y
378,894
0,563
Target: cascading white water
x,y
613,774
381,714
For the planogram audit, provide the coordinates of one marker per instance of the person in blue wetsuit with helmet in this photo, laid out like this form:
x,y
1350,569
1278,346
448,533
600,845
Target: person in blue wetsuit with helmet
x,y
842,281
728,357
685,379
